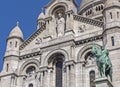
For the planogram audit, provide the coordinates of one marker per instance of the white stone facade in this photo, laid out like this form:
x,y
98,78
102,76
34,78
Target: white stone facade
x,y
46,59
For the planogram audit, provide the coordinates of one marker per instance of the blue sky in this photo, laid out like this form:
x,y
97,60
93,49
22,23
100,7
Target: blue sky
x,y
24,11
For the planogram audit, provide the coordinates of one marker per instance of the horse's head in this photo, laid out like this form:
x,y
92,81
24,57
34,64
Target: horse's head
x,y
94,49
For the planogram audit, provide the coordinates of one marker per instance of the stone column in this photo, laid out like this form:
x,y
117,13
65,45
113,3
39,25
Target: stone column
x,y
70,73
50,79
67,74
64,76
44,77
21,81
12,81
44,80
41,79
72,76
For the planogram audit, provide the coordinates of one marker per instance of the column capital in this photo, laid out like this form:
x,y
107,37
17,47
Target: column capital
x,y
71,62
45,69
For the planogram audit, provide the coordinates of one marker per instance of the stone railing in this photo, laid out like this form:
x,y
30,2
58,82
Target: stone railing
x,y
88,21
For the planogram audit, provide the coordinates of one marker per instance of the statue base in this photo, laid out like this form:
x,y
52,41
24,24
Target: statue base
x,y
103,82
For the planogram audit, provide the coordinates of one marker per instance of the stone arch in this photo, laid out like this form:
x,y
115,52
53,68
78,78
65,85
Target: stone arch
x,y
82,53
60,51
53,8
32,62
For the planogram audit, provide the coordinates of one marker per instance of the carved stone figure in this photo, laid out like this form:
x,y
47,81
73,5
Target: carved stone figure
x,y
103,61
60,25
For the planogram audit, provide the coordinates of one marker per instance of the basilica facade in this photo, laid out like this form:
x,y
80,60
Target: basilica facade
x,y
58,53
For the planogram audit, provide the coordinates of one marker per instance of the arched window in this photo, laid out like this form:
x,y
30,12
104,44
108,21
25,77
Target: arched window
x,y
90,11
102,7
16,44
99,8
113,41
30,70
96,8
111,15
89,58
92,78
31,85
59,70
7,67
117,14
10,44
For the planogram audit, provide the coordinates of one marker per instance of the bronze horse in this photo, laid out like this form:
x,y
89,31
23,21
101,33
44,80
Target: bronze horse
x,y
103,61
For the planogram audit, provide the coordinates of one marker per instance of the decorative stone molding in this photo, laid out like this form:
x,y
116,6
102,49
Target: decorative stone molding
x,y
15,37
111,30
69,32
32,37
30,55
42,69
47,38
58,51
48,19
57,41
9,74
69,12
70,62
88,40
88,21
28,63
80,57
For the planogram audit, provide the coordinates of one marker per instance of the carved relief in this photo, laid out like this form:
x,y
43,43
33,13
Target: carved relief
x,y
82,29
38,41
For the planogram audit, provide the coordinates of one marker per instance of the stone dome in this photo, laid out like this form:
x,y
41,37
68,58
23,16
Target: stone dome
x,y
16,32
86,3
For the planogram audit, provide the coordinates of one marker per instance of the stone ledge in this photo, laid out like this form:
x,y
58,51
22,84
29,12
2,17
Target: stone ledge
x,y
103,82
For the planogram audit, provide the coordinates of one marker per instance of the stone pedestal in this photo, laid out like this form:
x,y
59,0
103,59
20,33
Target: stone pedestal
x,y
103,82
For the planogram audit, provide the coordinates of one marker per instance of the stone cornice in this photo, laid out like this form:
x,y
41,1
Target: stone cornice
x,y
70,62
15,37
8,74
88,21
111,30
32,37
90,39
30,55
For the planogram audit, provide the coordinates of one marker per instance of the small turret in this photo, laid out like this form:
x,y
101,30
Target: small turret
x,y
41,19
11,57
14,41
111,23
